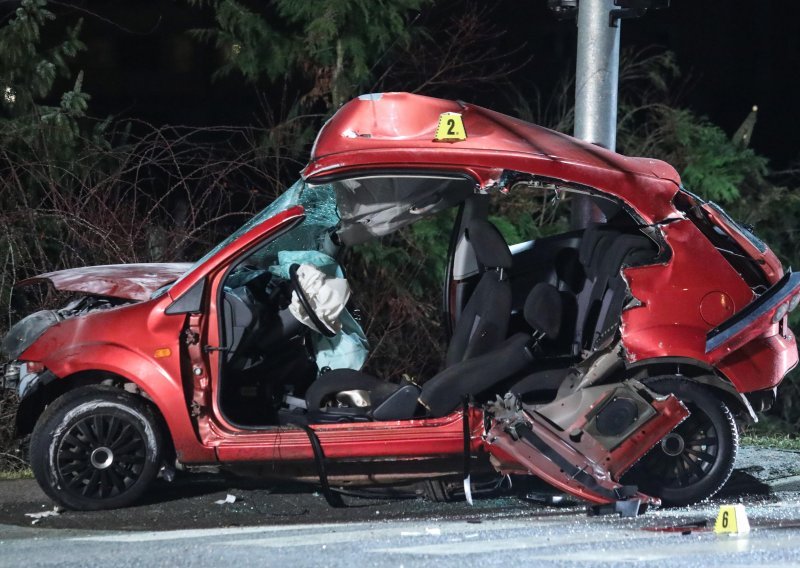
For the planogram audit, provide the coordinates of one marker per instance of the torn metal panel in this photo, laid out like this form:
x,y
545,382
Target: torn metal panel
x,y
586,450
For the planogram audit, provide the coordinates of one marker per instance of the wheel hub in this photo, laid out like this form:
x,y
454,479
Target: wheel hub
x,y
673,444
101,457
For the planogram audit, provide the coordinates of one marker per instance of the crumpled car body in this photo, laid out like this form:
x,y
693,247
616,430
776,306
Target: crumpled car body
x,y
701,300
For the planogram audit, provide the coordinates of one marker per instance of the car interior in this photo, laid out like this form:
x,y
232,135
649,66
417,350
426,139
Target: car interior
x,y
526,314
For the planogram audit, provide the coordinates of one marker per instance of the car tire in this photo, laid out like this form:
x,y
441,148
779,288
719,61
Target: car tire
x,y
97,448
436,490
695,460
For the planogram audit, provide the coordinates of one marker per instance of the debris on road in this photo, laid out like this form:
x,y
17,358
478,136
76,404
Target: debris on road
x,y
429,531
685,529
228,500
54,512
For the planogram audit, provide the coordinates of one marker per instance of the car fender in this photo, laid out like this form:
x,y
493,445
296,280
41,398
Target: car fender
x,y
696,371
154,380
666,318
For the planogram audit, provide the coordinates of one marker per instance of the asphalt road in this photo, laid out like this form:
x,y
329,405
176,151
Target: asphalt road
x,y
181,524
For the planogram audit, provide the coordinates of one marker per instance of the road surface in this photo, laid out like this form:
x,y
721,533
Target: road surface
x,y
272,526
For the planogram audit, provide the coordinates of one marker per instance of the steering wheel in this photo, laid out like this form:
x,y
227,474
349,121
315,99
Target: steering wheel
x,y
301,295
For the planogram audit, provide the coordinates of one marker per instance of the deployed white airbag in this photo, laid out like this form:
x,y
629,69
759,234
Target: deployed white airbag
x,y
348,349
326,295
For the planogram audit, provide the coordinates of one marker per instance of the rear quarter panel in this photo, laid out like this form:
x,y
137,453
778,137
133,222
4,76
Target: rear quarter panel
x,y
669,323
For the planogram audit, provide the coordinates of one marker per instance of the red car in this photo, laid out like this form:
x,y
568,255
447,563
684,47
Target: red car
x,y
611,362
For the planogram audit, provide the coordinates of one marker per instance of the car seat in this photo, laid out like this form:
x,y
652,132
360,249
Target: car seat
x,y
483,323
442,393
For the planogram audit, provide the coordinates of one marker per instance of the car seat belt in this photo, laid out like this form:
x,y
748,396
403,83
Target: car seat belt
x,y
334,499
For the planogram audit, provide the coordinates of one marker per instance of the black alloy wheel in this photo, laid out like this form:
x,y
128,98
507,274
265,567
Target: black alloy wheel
x,y
96,448
694,461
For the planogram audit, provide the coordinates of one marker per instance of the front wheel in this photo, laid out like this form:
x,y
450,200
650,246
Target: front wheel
x,y
695,460
96,448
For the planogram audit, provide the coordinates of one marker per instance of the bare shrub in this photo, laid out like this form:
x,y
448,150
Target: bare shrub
x,y
164,195
397,286
12,458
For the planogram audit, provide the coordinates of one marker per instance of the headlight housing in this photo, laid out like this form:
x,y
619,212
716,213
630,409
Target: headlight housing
x,y
27,330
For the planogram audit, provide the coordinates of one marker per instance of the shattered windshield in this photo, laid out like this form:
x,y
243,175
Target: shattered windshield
x,y
321,216
313,234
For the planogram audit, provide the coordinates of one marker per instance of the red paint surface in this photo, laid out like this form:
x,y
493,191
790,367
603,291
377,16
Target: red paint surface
x,y
127,281
669,322
716,307
397,131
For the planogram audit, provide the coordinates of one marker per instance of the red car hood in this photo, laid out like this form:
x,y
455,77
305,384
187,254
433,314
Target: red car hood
x,y
128,281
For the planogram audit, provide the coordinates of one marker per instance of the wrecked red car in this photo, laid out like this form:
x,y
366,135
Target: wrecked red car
x,y
612,362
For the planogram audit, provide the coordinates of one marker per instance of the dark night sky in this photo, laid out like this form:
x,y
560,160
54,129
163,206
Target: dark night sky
x,y
141,64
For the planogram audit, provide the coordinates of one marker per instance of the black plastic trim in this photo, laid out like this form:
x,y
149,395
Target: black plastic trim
x,y
191,302
769,300
385,172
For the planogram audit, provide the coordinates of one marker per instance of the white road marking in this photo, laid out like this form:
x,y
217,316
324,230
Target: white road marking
x,y
310,532
197,533
517,543
415,531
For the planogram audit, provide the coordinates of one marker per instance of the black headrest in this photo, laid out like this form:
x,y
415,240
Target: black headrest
x,y
592,236
489,245
543,308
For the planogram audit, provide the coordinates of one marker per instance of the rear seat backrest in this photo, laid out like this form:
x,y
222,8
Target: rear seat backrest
x,y
594,291
627,250
603,253
595,244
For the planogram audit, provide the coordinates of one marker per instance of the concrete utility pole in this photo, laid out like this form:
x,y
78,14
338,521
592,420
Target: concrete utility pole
x,y
597,76
596,79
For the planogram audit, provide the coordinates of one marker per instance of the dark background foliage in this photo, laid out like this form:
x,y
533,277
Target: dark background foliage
x,y
111,148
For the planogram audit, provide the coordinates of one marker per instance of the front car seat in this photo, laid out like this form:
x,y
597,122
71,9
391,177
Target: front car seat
x,y
483,323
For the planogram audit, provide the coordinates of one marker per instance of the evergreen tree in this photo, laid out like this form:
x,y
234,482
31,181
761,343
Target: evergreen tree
x,y
28,73
334,43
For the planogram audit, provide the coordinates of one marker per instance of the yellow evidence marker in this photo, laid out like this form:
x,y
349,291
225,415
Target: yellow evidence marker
x,y
451,128
732,519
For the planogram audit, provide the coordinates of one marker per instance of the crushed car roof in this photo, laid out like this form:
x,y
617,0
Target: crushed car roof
x,y
399,130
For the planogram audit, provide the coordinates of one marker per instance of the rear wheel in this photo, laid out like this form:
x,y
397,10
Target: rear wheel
x,y
96,448
695,460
